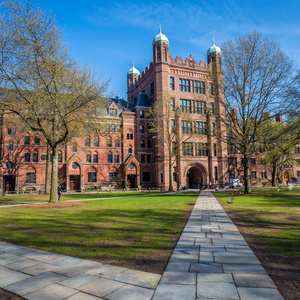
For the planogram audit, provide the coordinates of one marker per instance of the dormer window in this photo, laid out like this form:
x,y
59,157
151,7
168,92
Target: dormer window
x,y
112,112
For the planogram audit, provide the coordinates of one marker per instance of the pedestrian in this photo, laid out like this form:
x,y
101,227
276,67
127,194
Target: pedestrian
x,y
59,192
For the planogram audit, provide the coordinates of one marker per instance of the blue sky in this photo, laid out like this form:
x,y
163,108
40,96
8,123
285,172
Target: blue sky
x,y
109,35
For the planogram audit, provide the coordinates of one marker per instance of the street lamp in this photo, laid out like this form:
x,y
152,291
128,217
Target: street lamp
x,y
3,190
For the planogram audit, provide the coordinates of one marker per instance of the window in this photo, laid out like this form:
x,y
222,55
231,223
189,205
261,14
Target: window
x,y
146,176
36,140
117,143
148,159
142,143
253,175
59,157
201,128
113,112
174,176
152,88
27,157
200,107
107,128
10,147
51,157
212,108
216,173
186,127
174,148
298,173
184,85
231,149
231,175
88,158
199,87
96,142
143,159
213,127
161,178
43,157
87,142
130,150
118,128
112,176
74,149
116,159
172,103
264,174
142,129
187,149
27,140
92,177
172,84
9,165
142,114
14,130
232,161
173,126
109,158
8,131
202,149
95,158
35,157
129,135
211,89
149,144
253,161
113,127
30,177
108,143
185,105
215,149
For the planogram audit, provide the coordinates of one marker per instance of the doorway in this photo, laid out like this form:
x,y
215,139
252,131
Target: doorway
x,y
131,181
194,178
75,182
10,183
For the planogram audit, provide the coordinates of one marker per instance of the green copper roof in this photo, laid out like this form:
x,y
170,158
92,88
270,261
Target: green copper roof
x,y
160,38
213,49
133,71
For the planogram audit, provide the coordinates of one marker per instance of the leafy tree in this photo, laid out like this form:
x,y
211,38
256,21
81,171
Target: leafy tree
x,y
257,73
43,85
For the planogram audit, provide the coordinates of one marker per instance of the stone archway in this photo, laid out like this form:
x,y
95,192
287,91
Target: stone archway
x,y
196,176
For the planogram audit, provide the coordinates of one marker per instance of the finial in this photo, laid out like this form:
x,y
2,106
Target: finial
x,y
159,28
133,63
213,41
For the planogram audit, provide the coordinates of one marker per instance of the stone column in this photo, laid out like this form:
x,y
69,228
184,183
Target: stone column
x,y
68,183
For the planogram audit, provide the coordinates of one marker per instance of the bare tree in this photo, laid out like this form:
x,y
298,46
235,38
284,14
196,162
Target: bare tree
x,y
171,127
44,86
257,73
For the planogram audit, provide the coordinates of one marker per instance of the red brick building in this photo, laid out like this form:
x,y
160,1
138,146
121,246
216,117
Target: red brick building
x,y
127,152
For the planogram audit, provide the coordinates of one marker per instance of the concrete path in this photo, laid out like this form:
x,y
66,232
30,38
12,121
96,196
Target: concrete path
x,y
210,261
213,261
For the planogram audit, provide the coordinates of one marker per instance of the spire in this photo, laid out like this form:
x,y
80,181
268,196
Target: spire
x,y
213,41
159,28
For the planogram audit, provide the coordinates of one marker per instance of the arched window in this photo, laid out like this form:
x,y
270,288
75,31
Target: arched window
x,y
27,157
130,150
149,144
96,142
88,158
35,156
74,149
87,142
108,143
113,127
116,158
117,143
142,143
27,140
10,147
95,158
142,129
59,157
30,177
109,158
129,135
36,140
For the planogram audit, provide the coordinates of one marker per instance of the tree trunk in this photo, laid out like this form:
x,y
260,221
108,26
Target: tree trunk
x,y
54,181
274,171
170,174
247,176
48,173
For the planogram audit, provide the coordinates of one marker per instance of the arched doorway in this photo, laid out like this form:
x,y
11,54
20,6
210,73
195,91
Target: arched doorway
x,y
74,173
195,177
286,178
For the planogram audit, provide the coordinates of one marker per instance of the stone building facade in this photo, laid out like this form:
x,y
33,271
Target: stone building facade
x,y
127,154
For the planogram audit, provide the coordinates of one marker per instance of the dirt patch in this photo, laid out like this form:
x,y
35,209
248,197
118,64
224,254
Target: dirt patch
x,y
284,271
58,204
6,295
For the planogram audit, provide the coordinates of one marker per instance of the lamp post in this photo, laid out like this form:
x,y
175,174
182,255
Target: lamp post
x,y
3,190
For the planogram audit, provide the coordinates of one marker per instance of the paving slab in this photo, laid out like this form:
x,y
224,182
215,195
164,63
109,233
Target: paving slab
x,y
13,279
253,280
78,268
83,296
217,290
214,277
26,263
175,292
106,271
259,294
78,280
130,292
178,278
41,268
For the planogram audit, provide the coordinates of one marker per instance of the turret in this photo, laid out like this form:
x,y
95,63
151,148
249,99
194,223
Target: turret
x,y
132,76
214,55
160,48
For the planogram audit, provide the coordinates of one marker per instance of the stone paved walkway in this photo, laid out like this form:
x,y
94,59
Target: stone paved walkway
x,y
210,261
213,261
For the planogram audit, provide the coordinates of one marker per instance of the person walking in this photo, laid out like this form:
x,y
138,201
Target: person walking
x,y
59,192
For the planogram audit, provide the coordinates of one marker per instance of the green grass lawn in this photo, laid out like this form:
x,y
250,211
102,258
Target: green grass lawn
x,y
31,198
275,216
111,229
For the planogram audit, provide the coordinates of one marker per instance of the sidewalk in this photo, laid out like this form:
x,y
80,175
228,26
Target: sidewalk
x,y
213,261
210,261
